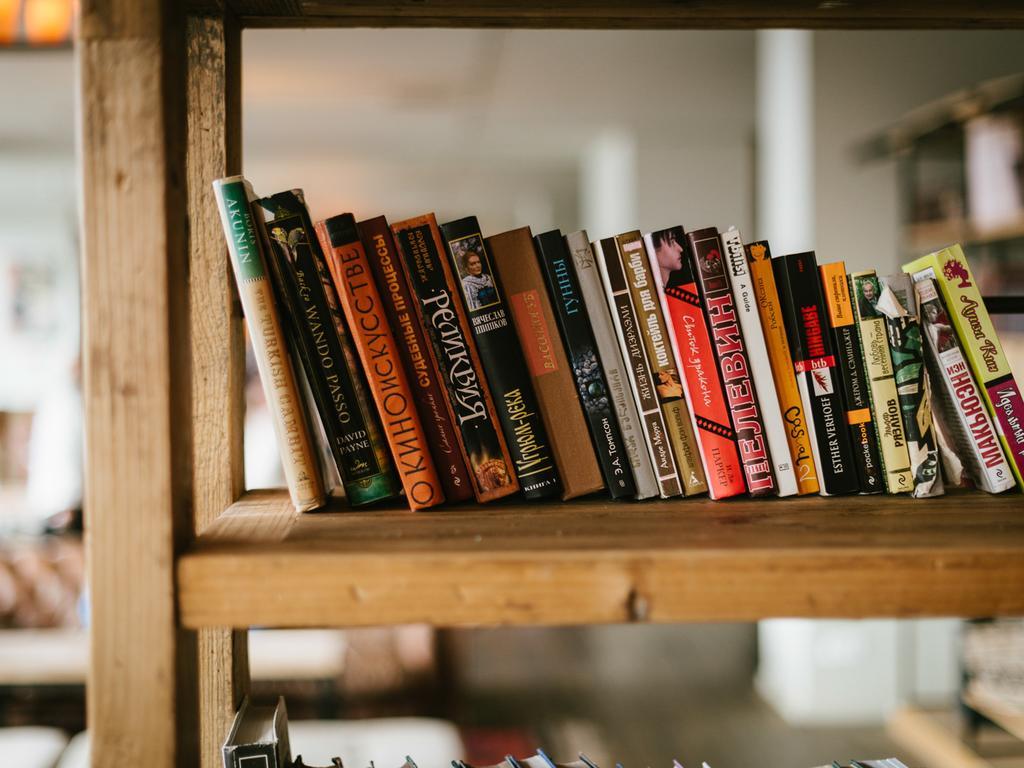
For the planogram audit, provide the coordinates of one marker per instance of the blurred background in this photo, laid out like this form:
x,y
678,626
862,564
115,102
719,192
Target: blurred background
x,y
869,147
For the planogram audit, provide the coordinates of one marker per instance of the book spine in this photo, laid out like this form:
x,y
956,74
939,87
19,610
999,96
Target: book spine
x,y
733,364
906,347
627,417
429,398
814,364
251,756
581,349
981,346
794,414
853,377
515,259
959,403
695,354
483,298
760,365
378,353
627,331
280,387
335,377
447,328
665,373
874,342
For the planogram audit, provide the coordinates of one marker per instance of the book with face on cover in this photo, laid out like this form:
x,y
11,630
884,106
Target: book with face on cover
x,y
581,349
694,350
627,416
636,264
483,296
515,260
269,345
981,346
447,328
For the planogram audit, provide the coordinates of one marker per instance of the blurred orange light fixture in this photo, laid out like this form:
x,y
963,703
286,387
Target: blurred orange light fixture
x,y
48,22
8,20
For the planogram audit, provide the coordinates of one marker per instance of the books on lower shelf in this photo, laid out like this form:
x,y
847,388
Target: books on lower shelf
x,y
440,364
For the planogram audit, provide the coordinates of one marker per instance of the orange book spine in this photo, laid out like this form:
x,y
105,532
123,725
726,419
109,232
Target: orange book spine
x,y
772,323
378,353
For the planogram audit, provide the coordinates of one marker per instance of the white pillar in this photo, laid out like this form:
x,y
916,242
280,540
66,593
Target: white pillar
x,y
785,139
608,185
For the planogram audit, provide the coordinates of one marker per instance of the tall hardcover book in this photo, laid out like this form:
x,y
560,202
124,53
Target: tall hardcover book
x,y
702,381
455,355
814,362
581,349
378,353
959,406
484,299
667,385
749,317
981,345
798,428
853,377
594,304
429,398
731,356
515,260
280,387
335,377
628,332
885,402
898,303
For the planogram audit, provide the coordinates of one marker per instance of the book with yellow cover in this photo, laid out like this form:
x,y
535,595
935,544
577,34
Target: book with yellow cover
x,y
798,437
885,403
989,365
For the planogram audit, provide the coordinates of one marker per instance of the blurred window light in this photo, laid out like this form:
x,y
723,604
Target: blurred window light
x,y
36,23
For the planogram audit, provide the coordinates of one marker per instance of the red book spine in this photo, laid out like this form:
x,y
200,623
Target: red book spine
x,y
385,264
733,363
704,389
378,353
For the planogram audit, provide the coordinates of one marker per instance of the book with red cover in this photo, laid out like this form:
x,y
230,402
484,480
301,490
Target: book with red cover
x,y
378,352
720,310
413,348
447,327
515,260
705,391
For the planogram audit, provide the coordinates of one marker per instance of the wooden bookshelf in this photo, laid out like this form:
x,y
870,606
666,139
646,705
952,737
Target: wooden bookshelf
x,y
170,545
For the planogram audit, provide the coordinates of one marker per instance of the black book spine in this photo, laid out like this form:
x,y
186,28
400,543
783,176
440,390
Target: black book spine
x,y
502,359
581,348
353,432
251,756
806,322
850,365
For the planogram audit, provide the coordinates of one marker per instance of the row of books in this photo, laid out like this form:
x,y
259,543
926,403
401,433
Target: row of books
x,y
445,365
259,737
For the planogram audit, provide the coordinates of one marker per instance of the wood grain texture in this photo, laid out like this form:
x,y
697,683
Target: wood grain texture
x,y
135,381
596,561
647,14
213,144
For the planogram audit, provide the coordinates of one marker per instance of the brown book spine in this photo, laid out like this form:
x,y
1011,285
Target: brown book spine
x,y
515,260
360,301
455,356
414,349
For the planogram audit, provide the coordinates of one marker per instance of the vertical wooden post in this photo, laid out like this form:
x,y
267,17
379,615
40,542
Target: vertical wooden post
x,y
136,390
213,109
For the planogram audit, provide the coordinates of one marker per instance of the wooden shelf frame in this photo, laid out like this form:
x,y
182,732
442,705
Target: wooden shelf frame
x,y
159,98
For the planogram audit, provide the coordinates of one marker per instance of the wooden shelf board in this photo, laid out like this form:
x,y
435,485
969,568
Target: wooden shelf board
x,y
650,14
597,561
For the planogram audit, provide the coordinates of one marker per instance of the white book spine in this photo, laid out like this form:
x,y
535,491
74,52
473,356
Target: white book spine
x,y
760,365
611,360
